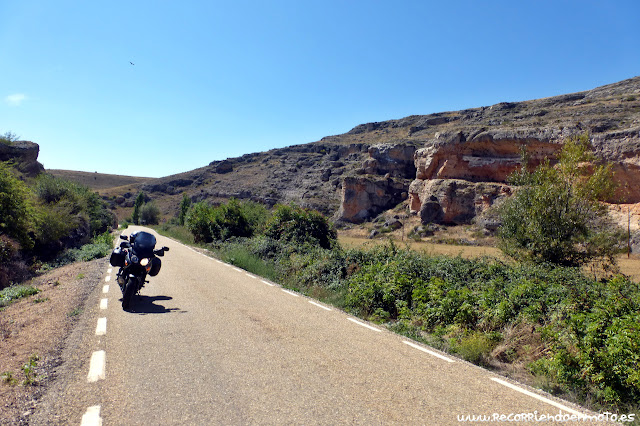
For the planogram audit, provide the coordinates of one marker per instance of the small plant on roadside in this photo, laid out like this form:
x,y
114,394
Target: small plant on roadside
x,y
75,312
29,370
8,378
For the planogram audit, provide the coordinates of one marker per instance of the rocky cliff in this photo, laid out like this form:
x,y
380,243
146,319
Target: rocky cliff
x,y
23,154
448,166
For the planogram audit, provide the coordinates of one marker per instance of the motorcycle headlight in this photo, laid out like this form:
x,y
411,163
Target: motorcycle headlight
x,y
144,262
134,259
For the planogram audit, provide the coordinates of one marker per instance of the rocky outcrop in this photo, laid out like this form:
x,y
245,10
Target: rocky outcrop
x,y
482,156
394,159
24,155
366,197
453,201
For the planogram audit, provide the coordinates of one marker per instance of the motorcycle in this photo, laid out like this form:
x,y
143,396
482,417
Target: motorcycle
x,y
136,257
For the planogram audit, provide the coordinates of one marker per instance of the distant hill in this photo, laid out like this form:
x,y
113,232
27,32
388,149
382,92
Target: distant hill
x,y
374,166
98,181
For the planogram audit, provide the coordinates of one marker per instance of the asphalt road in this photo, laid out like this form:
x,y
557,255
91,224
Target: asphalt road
x,y
212,344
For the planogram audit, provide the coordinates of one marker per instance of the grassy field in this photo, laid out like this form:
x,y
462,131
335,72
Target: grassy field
x,y
629,266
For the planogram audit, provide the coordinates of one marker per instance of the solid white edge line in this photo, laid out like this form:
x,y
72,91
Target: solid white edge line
x,y
425,350
104,303
101,327
107,278
92,417
290,292
268,283
105,288
364,325
319,305
538,397
96,366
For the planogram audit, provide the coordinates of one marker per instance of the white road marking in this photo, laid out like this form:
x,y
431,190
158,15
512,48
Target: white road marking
x,y
105,288
107,278
103,303
237,269
250,275
92,417
110,270
364,325
538,397
319,305
101,328
96,366
420,348
268,283
289,292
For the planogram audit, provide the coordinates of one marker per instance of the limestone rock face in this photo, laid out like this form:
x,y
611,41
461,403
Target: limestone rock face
x,y
365,197
453,201
394,159
486,156
24,154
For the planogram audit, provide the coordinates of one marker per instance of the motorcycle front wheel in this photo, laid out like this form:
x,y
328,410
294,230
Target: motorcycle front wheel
x,y
129,294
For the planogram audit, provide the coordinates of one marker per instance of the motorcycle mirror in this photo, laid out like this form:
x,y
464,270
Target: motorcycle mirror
x,y
165,248
124,237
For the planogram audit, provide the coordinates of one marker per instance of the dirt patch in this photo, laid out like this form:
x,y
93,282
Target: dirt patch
x,y
38,326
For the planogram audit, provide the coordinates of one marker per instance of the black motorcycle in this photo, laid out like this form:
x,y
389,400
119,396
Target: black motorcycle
x,y
136,257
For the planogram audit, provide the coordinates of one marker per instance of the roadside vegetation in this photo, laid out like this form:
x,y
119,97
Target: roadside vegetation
x,y
44,217
535,315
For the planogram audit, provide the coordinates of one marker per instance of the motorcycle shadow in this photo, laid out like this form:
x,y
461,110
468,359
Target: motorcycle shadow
x,y
147,305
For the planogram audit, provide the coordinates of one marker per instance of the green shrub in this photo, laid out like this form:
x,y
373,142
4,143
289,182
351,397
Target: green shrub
x,y
149,214
295,224
12,293
555,216
17,215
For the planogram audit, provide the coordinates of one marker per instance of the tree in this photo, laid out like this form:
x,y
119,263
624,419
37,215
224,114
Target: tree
x,y
556,214
184,209
298,225
149,214
135,216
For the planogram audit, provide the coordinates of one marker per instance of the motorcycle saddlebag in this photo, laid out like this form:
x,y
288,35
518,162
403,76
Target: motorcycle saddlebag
x,y
155,266
117,257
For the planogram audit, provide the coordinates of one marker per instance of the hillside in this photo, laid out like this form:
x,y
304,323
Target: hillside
x,y
356,175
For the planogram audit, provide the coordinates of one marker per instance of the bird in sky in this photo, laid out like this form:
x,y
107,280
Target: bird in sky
x,y
131,63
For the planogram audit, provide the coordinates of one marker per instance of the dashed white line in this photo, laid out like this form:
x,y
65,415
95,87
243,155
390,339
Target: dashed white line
x,y
364,325
92,417
290,292
268,283
105,288
420,348
237,269
109,271
319,305
103,303
107,278
96,366
101,328
538,397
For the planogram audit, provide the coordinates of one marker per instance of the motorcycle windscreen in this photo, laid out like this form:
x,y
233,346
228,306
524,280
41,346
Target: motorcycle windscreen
x,y
144,244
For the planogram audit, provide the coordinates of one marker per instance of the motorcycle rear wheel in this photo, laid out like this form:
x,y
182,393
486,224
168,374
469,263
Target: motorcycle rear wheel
x,y
129,294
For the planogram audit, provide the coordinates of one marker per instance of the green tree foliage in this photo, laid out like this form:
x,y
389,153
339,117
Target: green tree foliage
x,y
17,214
184,209
234,219
135,217
69,205
149,214
556,216
295,224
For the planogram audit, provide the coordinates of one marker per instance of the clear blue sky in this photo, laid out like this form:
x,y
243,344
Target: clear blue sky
x,y
216,79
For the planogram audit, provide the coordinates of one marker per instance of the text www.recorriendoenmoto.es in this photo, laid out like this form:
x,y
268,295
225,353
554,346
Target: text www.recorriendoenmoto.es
x,y
545,417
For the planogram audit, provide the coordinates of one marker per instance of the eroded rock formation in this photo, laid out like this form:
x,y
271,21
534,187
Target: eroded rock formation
x,y
24,154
